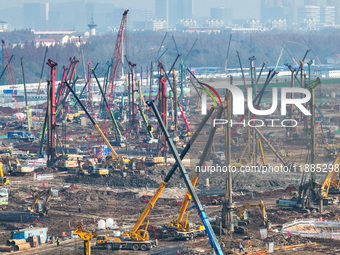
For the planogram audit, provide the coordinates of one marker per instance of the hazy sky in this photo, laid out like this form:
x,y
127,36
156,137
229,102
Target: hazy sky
x,y
242,8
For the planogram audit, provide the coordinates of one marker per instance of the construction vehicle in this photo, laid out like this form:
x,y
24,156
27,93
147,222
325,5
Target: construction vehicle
x,y
203,216
184,229
38,207
15,167
151,161
139,238
63,164
93,168
242,214
3,179
114,154
86,236
331,182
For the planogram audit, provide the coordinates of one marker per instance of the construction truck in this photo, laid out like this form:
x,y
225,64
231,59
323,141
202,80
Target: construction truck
x,y
184,230
3,179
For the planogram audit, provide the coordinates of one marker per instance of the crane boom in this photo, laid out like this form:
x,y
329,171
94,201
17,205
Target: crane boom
x,y
202,214
7,63
114,154
195,174
117,56
161,187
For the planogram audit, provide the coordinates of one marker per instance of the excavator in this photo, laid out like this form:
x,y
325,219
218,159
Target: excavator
x,y
86,236
15,167
331,183
38,207
3,179
242,215
93,169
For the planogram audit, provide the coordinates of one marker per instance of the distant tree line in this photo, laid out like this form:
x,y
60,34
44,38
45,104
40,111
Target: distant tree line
x,y
142,48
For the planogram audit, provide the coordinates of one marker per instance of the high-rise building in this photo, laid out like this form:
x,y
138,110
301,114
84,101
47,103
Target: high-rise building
x,y
327,15
184,9
337,12
161,9
272,10
36,15
222,13
308,14
173,10
316,2
117,15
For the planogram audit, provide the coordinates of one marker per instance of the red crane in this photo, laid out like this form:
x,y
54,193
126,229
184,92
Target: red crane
x,y
6,62
116,61
117,57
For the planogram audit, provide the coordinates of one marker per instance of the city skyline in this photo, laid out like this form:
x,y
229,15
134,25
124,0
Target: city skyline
x,y
66,14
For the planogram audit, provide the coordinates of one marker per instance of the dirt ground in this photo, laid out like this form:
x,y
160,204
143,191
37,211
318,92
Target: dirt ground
x,y
123,198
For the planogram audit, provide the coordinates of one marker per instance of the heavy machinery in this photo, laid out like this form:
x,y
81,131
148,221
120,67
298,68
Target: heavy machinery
x,y
92,168
3,179
86,236
242,214
65,164
331,182
120,139
182,228
15,167
138,239
114,154
204,218
38,207
151,161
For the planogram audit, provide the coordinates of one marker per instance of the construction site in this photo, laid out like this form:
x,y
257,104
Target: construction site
x,y
169,161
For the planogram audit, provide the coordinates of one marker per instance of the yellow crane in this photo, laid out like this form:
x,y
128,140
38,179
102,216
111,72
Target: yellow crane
x,y
331,179
183,229
3,179
138,239
86,236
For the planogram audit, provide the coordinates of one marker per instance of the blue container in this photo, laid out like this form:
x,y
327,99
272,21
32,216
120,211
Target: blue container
x,y
27,232
21,133
10,91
